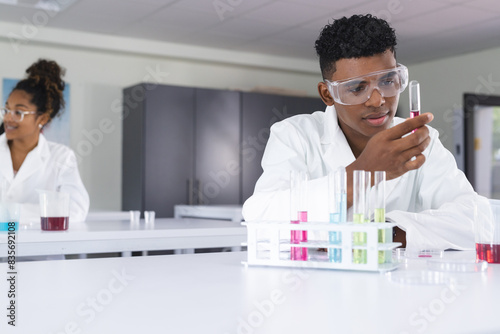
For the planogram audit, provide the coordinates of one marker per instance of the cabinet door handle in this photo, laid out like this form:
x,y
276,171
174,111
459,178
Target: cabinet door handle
x,y
199,192
190,191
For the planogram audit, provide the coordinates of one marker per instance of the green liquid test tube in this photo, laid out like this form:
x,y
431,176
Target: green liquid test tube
x,y
359,239
379,211
358,203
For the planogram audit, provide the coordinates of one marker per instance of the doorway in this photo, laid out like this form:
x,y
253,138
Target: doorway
x,y
482,143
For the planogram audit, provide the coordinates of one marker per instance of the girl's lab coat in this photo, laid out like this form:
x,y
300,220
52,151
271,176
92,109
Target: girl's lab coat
x,y
433,204
49,166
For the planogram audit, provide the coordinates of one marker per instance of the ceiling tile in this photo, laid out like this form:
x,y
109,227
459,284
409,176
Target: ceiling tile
x,y
211,6
110,17
454,17
246,28
409,9
278,48
156,31
124,10
285,13
297,36
488,5
215,40
415,28
184,19
18,14
328,4
454,2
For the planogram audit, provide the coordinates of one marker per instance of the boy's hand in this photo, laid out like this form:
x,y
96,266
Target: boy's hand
x,y
389,151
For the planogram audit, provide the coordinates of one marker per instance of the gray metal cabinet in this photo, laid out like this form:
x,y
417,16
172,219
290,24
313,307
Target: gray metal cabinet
x,y
217,163
158,142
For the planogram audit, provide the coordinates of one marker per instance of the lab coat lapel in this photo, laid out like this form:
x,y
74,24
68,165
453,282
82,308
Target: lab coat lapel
x,y
5,160
337,151
34,160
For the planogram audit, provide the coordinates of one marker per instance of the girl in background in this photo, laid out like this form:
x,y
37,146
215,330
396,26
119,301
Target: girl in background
x,y
27,160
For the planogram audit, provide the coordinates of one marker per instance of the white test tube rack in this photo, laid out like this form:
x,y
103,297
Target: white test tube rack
x,y
268,244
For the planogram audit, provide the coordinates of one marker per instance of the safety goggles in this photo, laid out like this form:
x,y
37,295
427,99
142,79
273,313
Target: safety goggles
x,y
359,89
16,115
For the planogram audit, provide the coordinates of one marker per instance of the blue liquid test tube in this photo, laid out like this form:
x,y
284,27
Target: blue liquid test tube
x,y
337,201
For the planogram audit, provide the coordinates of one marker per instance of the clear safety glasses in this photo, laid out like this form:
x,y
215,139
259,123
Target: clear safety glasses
x,y
359,89
17,115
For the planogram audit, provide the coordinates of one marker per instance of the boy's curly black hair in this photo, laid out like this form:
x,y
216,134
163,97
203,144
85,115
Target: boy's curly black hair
x,y
353,37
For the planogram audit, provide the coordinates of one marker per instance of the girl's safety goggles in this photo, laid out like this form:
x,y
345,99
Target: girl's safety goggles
x,y
359,89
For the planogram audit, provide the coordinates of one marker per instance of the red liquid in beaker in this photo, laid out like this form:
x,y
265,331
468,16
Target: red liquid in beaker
x,y
54,223
488,252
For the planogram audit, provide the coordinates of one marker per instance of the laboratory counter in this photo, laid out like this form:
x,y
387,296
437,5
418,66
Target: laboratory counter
x,y
216,293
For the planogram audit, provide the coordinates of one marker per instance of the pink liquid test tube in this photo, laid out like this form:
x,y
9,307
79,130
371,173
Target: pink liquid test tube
x,y
414,99
298,213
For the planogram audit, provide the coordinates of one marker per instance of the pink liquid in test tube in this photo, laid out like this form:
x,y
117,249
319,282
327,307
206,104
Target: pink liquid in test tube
x,y
296,237
303,219
297,194
414,100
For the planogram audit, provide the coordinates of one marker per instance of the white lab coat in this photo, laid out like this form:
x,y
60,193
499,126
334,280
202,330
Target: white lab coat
x,y
434,204
49,166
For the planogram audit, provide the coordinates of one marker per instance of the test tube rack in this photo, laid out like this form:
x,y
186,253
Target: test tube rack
x,y
268,244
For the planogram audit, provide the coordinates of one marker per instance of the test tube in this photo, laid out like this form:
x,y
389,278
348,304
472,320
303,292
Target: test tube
x,y
368,206
379,198
358,205
414,99
303,198
298,213
337,201
379,210
294,214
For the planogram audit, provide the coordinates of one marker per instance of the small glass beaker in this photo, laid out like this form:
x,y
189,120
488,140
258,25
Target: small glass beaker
x,y
54,210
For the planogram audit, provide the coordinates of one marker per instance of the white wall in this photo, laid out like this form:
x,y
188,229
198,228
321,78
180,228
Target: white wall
x,y
443,83
98,74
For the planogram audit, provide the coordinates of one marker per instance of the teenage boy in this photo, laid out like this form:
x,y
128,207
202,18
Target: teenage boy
x,y
427,196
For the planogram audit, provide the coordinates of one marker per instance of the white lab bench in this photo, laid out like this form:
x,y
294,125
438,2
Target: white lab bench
x,y
122,236
215,293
